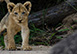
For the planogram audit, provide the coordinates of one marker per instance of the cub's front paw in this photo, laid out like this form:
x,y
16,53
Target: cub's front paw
x,y
10,47
27,48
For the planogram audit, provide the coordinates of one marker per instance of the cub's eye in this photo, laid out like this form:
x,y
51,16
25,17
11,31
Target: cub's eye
x,y
15,13
23,12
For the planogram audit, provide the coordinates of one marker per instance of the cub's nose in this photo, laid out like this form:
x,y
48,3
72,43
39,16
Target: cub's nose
x,y
20,21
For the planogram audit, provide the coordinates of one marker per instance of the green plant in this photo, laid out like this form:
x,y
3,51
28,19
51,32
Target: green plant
x,y
18,38
1,40
34,31
58,37
63,30
71,5
52,35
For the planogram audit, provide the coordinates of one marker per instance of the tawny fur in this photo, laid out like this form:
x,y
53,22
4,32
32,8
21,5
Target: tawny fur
x,y
16,20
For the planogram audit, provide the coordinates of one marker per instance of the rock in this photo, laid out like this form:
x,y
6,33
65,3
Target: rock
x,y
66,46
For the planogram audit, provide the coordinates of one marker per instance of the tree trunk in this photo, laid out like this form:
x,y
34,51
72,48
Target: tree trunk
x,y
53,15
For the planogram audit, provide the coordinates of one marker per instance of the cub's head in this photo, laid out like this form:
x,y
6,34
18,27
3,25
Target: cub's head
x,y
19,12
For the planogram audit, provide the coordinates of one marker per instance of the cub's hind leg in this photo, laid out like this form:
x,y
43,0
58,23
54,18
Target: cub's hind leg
x,y
2,28
5,41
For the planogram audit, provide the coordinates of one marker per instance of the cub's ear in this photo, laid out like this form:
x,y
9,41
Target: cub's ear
x,y
28,5
10,6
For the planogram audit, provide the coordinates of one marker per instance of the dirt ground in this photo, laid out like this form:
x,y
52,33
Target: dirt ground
x,y
34,48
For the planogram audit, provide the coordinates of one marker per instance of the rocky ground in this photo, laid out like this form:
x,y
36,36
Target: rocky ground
x,y
35,50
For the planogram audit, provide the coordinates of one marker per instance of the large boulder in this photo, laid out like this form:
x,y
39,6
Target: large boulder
x,y
66,46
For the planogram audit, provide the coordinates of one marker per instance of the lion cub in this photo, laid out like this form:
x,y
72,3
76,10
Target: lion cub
x,y
14,21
